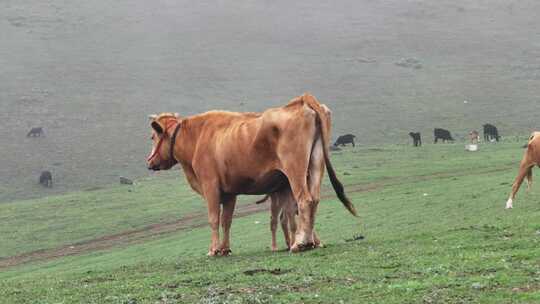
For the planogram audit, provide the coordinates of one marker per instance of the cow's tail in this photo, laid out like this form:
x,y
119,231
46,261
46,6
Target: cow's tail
x,y
323,123
262,200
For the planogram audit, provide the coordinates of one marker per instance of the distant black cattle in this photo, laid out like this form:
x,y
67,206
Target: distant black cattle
x,y
442,134
417,139
36,132
345,139
490,132
125,181
45,179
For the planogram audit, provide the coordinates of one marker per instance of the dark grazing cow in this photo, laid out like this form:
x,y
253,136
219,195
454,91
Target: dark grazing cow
x,y
45,179
490,132
36,132
345,139
443,134
417,140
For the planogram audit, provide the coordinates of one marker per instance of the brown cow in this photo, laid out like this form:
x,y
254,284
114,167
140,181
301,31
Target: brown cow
x,y
474,137
224,154
529,160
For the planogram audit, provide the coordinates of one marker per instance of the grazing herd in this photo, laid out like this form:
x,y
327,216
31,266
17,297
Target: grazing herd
x,y
226,154
45,177
490,134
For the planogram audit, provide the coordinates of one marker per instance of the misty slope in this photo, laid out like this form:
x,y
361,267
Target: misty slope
x,y
89,73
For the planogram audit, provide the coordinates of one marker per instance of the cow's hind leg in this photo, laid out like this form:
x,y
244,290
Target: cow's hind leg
x,y
288,217
229,203
306,208
295,164
316,172
524,170
284,221
308,198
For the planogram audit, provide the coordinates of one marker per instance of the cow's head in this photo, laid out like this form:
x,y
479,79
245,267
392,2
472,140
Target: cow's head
x,y
163,127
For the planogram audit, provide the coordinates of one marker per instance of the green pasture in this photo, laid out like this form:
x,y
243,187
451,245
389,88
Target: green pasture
x,y
432,229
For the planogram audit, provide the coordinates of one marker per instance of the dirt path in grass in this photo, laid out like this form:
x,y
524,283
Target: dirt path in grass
x,y
196,220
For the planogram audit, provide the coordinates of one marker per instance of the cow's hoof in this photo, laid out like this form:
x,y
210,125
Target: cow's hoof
x,y
225,252
274,249
302,247
213,252
509,204
318,245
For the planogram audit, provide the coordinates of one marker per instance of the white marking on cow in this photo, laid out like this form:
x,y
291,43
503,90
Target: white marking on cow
x,y
509,204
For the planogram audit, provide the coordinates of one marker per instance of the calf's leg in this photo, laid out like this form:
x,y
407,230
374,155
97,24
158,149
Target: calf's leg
x,y
275,208
288,217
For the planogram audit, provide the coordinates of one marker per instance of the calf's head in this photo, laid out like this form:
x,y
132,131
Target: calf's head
x,y
163,127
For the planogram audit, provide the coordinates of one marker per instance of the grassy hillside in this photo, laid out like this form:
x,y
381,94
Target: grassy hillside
x,y
433,221
89,73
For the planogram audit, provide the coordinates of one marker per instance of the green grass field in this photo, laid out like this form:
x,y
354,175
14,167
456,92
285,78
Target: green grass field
x,y
433,220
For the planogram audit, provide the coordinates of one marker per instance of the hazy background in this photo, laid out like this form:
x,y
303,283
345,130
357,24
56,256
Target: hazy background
x,y
89,72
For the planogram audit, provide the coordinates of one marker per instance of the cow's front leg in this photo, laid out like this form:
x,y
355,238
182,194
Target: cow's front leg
x,y
229,203
212,199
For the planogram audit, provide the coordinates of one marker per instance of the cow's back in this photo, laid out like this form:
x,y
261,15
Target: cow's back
x,y
243,149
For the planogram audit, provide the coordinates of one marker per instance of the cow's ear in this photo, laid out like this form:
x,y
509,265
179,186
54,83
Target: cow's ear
x,y
157,127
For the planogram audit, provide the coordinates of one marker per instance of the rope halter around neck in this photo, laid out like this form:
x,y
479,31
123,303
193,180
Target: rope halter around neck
x,y
168,125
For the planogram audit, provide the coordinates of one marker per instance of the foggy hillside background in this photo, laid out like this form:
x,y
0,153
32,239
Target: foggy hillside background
x,y
89,72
